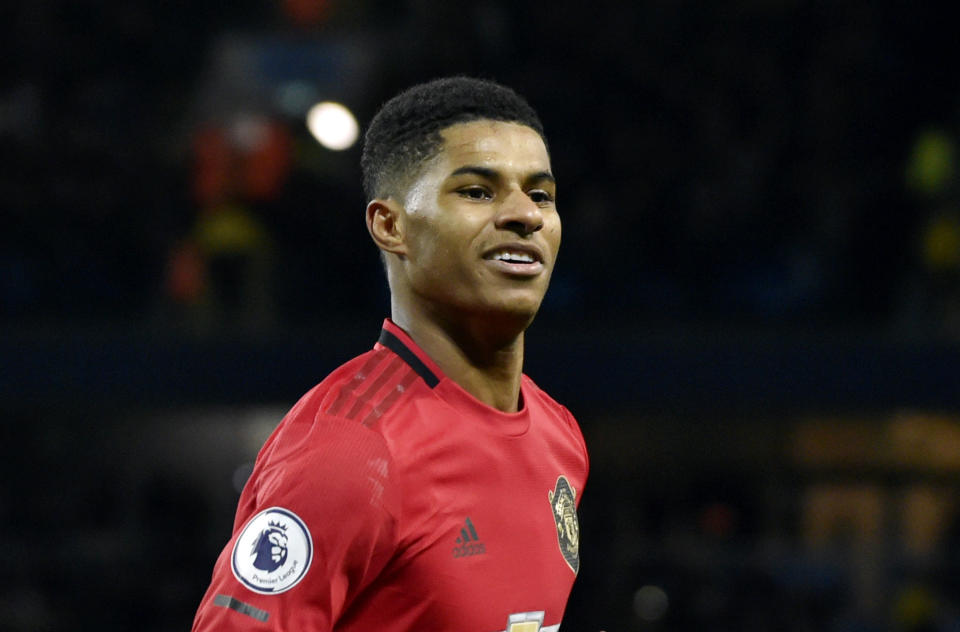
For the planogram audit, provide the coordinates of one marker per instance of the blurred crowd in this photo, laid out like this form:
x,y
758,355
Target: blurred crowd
x,y
750,162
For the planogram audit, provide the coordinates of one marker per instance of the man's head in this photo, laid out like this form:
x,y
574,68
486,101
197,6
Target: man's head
x,y
462,204
405,133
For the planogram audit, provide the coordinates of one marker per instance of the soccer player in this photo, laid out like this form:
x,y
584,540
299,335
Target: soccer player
x,y
428,484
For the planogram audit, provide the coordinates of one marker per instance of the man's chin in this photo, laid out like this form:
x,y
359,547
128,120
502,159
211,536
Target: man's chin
x,y
508,311
514,314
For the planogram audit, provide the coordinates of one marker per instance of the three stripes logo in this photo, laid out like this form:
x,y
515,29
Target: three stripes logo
x,y
469,542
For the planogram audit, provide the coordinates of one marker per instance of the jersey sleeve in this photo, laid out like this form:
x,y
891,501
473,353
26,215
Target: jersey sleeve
x,y
314,527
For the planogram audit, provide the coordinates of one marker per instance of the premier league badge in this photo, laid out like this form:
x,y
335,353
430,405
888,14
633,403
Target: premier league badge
x,y
273,552
565,516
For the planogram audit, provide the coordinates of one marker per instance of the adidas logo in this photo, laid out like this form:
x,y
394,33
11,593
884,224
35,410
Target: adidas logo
x,y
469,542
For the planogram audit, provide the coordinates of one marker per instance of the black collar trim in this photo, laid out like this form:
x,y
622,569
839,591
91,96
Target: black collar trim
x,y
396,345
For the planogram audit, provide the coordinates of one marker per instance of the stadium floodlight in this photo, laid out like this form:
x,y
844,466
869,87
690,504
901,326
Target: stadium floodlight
x,y
333,125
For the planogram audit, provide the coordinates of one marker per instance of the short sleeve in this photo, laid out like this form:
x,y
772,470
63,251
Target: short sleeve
x,y
315,525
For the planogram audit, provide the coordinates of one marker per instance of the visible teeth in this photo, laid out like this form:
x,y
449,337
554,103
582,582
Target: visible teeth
x,y
521,257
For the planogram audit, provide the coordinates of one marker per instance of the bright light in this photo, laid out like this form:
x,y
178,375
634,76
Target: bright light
x,y
333,125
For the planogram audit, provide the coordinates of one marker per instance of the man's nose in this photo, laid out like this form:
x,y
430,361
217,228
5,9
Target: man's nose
x,y
520,214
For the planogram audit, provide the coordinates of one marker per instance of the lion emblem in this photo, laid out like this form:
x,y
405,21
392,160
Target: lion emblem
x,y
270,548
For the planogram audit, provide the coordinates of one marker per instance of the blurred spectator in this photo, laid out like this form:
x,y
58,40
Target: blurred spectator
x,y
932,179
220,275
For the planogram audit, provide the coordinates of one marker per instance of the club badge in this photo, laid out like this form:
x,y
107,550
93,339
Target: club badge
x,y
565,516
273,552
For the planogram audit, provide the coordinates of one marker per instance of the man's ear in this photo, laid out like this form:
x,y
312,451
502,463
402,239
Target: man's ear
x,y
385,219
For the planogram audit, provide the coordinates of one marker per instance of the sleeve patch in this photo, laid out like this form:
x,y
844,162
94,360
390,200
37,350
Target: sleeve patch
x,y
273,552
225,601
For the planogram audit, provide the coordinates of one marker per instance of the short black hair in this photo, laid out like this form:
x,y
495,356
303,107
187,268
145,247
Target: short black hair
x,y
405,132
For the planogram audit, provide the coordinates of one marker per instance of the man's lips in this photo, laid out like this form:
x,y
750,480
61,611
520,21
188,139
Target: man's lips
x,y
516,259
514,252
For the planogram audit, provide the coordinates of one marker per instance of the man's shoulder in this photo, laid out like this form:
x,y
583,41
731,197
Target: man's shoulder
x,y
368,389
542,400
314,416
343,426
560,422
322,439
358,398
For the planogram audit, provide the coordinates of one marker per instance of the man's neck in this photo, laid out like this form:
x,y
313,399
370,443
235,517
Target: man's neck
x,y
485,361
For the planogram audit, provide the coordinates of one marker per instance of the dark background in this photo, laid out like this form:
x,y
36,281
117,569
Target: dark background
x,y
755,317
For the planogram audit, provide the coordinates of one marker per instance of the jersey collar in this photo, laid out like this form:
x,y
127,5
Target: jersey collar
x,y
508,424
396,339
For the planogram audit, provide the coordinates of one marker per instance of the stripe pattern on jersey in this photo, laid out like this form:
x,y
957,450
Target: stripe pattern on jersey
x,y
396,345
380,382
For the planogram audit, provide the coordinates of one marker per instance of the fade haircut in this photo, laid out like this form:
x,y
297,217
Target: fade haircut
x,y
405,133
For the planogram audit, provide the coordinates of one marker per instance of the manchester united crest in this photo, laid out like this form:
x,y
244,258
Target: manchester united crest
x,y
562,501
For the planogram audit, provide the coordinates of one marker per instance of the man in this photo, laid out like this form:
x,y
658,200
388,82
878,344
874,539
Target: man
x,y
426,484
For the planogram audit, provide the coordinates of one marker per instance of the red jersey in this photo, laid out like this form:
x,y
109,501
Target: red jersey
x,y
390,499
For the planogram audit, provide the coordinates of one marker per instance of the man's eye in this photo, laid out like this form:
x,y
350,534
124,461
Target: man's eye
x,y
475,193
540,196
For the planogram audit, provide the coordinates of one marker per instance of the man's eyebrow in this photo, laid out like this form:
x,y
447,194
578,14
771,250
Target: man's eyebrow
x,y
484,172
541,175
493,174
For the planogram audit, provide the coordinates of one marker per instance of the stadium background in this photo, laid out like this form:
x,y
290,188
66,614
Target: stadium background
x,y
755,316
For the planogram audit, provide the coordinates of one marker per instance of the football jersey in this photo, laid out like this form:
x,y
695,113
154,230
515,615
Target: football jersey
x,y
391,499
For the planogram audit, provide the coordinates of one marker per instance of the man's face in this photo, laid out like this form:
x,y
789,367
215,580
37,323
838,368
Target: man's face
x,y
482,229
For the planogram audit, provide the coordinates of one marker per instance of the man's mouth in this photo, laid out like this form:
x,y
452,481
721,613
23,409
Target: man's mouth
x,y
513,257
516,259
